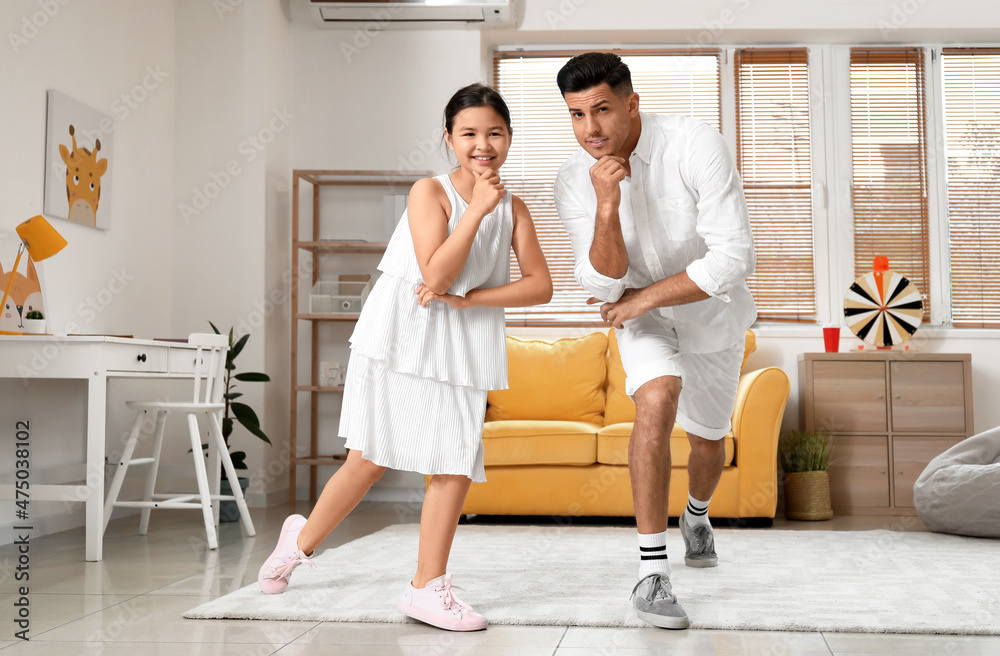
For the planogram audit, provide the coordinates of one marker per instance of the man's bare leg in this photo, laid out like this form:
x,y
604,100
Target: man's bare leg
x,y
649,468
649,451
705,466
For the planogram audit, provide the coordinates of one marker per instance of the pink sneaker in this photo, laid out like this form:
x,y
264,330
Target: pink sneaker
x,y
276,570
435,604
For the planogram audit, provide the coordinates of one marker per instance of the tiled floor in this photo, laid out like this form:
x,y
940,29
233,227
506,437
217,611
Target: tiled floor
x,y
131,604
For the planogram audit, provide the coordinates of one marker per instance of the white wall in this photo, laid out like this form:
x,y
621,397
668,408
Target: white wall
x,y
230,199
755,21
77,48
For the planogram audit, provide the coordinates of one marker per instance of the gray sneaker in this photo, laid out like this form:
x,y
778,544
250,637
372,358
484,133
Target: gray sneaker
x,y
655,603
699,544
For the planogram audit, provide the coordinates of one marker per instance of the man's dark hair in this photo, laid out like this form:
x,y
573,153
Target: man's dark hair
x,y
590,69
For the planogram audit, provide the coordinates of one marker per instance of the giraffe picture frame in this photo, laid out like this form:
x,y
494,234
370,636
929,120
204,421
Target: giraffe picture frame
x,y
78,162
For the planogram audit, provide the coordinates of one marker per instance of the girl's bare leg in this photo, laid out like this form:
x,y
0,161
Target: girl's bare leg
x,y
438,520
340,496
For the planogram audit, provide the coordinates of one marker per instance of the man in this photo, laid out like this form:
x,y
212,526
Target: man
x,y
655,211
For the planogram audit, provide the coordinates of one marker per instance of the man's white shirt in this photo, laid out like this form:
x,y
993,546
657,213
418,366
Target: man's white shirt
x,y
682,209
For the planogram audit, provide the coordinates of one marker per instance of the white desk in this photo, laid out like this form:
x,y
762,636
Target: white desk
x,y
96,360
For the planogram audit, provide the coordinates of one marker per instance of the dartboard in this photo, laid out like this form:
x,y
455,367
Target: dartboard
x,y
883,308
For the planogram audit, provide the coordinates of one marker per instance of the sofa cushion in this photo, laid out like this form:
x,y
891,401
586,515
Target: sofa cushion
x,y
562,380
620,408
530,442
612,445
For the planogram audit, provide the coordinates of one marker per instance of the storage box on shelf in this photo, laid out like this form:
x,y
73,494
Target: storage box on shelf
x,y
890,413
338,300
341,296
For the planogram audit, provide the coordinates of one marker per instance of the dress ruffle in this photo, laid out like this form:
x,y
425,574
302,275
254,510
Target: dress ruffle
x,y
462,347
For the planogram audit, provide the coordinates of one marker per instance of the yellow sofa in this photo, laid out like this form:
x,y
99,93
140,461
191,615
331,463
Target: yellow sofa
x,y
556,441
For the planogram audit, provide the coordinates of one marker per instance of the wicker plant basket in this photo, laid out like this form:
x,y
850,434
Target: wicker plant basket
x,y
807,496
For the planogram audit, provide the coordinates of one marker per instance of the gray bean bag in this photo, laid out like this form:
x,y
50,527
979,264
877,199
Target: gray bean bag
x,y
959,491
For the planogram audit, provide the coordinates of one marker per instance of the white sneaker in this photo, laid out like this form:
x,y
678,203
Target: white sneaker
x,y
277,569
437,605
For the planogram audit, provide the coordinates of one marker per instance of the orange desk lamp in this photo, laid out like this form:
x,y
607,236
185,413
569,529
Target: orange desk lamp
x,y
42,241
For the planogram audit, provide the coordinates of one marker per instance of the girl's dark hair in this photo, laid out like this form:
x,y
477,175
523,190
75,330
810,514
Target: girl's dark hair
x,y
476,95
590,69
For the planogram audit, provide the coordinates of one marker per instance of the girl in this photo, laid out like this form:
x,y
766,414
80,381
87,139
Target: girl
x,y
427,347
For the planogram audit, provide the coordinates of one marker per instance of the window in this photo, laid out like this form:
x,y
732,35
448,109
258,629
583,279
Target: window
x,y
684,82
971,85
887,117
774,156
888,156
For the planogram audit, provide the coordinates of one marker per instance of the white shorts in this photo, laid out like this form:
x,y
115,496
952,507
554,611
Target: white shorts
x,y
709,381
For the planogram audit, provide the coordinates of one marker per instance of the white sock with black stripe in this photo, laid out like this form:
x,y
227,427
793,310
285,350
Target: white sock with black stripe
x,y
697,511
653,554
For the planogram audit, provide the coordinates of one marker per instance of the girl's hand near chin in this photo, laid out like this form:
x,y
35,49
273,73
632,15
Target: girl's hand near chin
x,y
488,192
425,296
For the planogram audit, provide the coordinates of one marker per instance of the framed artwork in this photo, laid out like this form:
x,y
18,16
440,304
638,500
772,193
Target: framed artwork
x,y
78,162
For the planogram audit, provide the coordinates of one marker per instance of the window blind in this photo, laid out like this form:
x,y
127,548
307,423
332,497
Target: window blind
x,y
667,81
971,83
888,158
774,158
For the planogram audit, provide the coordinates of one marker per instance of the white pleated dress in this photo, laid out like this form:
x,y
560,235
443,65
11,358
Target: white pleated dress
x,y
415,393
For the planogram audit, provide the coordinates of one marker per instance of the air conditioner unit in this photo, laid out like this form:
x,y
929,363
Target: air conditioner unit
x,y
350,14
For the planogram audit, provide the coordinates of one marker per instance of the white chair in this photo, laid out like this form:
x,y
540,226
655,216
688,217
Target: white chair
x,y
209,384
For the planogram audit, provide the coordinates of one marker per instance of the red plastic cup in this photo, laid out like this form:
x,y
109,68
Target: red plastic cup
x,y
831,339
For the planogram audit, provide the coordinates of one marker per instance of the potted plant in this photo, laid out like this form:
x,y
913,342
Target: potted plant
x,y
34,322
805,457
237,412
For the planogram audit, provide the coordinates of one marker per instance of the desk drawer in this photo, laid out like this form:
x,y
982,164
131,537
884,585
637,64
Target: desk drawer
x,y
128,357
182,360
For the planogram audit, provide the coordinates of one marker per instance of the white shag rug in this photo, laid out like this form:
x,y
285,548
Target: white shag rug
x,y
770,580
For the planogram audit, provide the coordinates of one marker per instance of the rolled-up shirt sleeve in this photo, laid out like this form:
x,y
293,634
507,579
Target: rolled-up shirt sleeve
x,y
580,226
723,219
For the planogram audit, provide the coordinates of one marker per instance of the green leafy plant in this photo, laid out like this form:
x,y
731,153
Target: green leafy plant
x,y
804,451
34,315
235,410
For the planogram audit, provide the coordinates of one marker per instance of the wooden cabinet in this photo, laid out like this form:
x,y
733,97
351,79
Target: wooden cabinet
x,y
910,455
890,413
859,472
308,248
